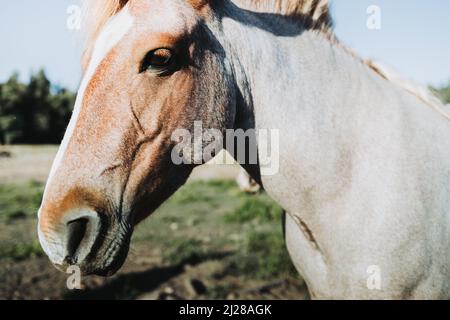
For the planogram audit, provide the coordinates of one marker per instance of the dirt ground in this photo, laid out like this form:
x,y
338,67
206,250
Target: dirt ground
x,y
196,222
141,278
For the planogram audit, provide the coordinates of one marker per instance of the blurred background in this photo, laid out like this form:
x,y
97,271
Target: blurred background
x,y
210,240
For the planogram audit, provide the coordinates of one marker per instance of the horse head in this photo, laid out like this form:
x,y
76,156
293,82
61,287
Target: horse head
x,y
153,67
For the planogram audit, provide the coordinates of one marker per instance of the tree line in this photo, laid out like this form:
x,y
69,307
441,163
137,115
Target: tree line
x,y
38,112
35,112
444,93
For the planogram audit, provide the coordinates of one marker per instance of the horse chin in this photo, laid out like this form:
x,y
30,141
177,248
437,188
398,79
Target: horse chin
x,y
109,257
109,269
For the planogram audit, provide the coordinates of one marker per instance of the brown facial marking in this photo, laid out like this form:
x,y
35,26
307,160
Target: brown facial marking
x,y
74,199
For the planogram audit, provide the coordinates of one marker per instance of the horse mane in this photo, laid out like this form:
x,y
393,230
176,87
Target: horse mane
x,y
314,14
419,91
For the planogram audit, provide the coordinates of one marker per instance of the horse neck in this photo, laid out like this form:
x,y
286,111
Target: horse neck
x,y
283,70
317,94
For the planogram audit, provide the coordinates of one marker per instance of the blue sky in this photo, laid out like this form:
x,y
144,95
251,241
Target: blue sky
x,y
414,38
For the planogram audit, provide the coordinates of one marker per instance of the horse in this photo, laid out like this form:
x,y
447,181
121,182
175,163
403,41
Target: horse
x,y
363,161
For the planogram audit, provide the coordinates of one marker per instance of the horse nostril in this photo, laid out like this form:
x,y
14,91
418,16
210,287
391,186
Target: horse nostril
x,y
76,233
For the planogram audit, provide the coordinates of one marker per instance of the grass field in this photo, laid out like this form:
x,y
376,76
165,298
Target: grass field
x,y
209,240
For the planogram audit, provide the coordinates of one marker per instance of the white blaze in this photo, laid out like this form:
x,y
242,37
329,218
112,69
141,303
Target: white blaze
x,y
113,32
117,27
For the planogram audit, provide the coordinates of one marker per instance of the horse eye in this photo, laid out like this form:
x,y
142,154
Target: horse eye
x,y
157,59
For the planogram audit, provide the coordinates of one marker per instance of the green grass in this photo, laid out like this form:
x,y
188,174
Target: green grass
x,y
218,292
258,207
197,209
263,255
218,210
202,191
20,251
202,219
185,251
19,201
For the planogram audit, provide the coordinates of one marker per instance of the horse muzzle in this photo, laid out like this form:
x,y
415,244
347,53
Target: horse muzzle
x,y
87,240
